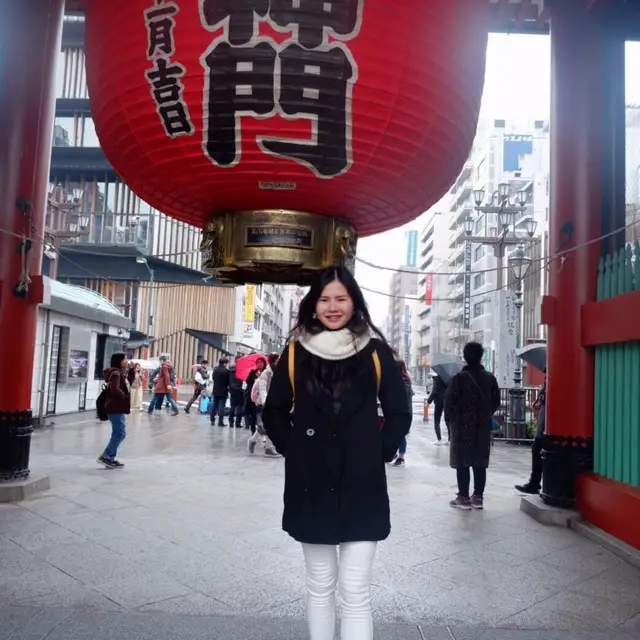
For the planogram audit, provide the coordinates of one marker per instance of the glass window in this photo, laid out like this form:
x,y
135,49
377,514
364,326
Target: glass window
x,y
479,280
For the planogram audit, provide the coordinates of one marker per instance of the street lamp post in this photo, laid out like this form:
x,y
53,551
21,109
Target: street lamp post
x,y
506,235
501,206
520,264
145,262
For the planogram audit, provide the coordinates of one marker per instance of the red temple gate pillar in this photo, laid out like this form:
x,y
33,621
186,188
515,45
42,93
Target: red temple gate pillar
x,y
582,151
30,33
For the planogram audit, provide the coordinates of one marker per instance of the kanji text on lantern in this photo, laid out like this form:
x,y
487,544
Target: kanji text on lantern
x,y
305,77
164,75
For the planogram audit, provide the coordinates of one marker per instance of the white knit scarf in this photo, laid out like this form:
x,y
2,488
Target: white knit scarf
x,y
334,345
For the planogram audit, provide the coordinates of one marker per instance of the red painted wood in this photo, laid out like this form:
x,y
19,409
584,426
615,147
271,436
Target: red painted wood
x,y
32,29
611,321
611,506
577,154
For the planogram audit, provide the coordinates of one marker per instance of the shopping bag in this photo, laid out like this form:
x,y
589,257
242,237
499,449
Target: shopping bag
x,y
204,404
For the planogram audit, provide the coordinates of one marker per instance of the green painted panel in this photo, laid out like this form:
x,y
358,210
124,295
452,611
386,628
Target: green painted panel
x,y
617,380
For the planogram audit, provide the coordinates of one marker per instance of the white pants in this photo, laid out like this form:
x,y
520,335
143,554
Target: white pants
x,y
351,572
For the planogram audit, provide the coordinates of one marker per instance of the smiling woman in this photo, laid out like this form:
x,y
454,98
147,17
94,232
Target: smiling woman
x,y
335,495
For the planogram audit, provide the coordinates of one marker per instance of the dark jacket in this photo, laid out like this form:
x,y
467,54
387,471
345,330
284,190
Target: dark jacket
x,y
251,380
335,481
409,391
118,397
235,384
438,391
467,412
221,380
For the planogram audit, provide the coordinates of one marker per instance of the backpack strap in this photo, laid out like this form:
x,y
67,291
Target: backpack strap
x,y
378,368
292,367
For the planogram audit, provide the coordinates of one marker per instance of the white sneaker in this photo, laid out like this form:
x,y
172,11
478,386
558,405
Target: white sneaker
x,y
271,453
438,443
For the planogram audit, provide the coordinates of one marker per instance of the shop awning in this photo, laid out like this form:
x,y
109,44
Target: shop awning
x,y
214,340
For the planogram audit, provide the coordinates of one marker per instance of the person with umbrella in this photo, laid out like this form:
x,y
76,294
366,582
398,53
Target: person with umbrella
x,y
533,485
436,397
248,369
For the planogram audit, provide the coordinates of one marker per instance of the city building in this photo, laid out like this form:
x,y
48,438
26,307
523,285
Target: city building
x,y
432,310
100,235
402,324
504,152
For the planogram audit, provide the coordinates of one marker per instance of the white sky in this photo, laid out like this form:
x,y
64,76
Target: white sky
x,y
517,84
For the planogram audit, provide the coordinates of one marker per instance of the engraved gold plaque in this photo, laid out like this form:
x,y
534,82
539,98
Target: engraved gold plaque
x,y
275,245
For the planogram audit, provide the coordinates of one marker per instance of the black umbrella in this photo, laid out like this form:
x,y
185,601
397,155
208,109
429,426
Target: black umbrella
x,y
446,366
534,354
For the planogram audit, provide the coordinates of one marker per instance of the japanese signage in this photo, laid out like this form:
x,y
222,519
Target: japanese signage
x,y
307,76
467,285
506,318
249,303
164,75
412,248
407,335
428,289
247,330
514,148
273,236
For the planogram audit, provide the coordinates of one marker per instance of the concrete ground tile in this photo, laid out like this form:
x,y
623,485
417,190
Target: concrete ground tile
x,y
75,595
22,585
12,618
94,526
50,536
90,562
51,505
632,625
623,573
193,604
9,511
41,625
135,591
606,587
391,606
595,611
583,557
21,523
540,617
532,546
296,609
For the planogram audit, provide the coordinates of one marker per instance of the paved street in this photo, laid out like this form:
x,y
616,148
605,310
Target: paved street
x,y
185,542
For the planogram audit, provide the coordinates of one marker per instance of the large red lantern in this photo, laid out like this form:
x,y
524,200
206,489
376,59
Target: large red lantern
x,y
357,110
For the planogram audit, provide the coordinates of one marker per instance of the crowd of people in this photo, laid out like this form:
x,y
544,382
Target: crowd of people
x,y
337,405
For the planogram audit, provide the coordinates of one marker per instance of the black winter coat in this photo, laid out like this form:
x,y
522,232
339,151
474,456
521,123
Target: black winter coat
x,y
438,391
468,408
335,480
221,380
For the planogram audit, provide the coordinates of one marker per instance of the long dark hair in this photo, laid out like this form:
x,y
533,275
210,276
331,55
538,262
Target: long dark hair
x,y
359,324
402,365
334,377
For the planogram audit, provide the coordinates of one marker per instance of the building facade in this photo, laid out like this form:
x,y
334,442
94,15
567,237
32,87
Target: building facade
x,y
100,235
432,286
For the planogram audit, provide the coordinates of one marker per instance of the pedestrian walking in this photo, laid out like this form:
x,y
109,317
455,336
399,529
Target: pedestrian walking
x,y
236,399
136,386
406,379
250,407
199,384
221,382
436,397
472,397
259,395
335,496
117,405
163,389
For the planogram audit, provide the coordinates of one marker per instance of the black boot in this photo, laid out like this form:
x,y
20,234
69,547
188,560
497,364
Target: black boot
x,y
529,488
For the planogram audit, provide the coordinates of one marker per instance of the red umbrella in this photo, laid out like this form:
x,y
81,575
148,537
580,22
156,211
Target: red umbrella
x,y
246,364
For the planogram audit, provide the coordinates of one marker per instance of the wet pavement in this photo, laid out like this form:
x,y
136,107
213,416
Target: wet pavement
x,y
185,542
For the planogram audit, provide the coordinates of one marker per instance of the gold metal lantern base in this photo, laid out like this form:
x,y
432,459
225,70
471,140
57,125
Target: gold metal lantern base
x,y
275,245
